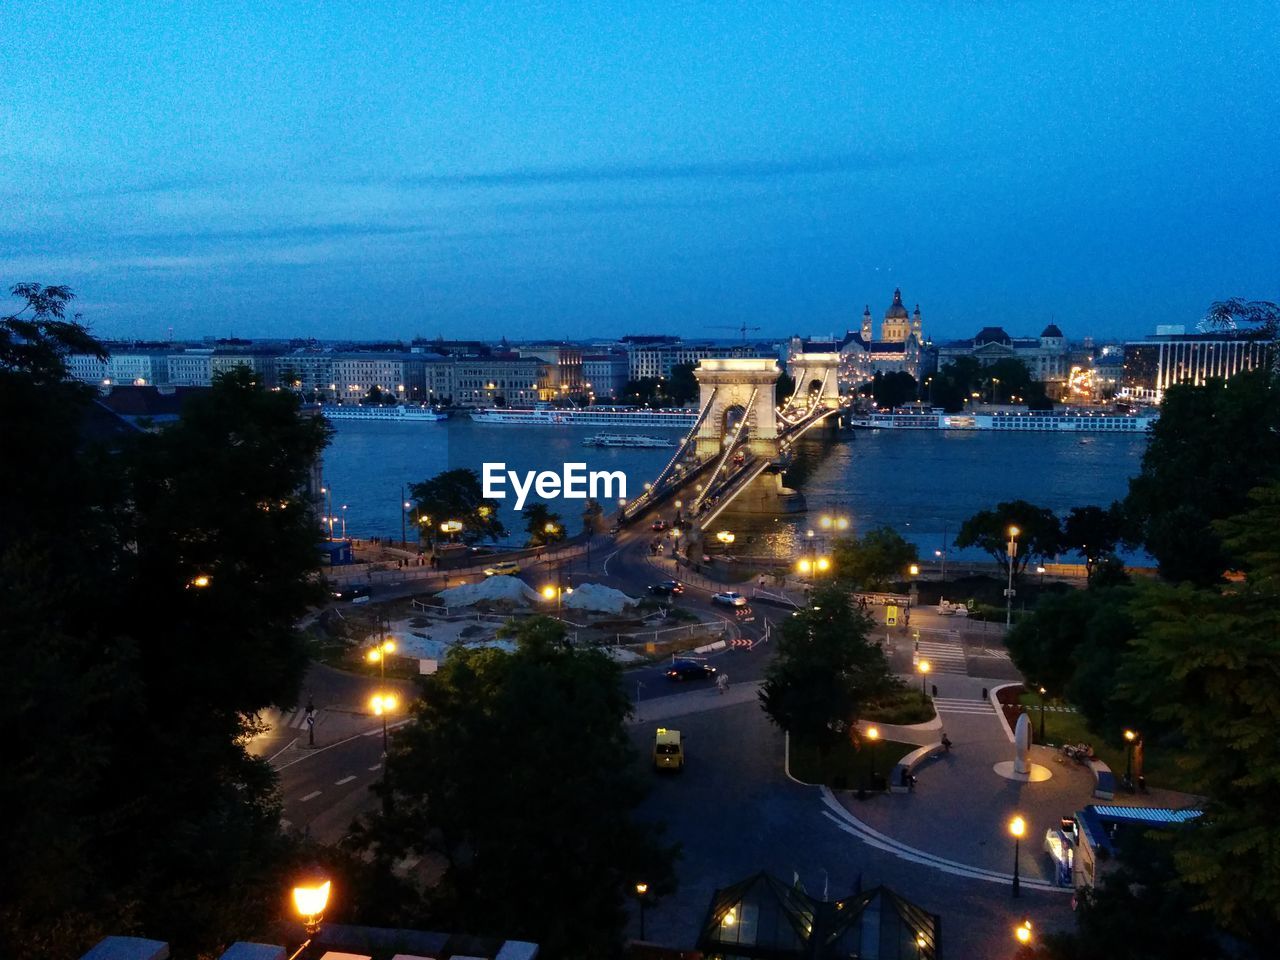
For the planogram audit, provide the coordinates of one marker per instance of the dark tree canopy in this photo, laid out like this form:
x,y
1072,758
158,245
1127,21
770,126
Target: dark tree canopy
x,y
1210,447
130,802
517,769
1093,533
458,495
1039,532
36,337
825,672
874,560
893,389
543,526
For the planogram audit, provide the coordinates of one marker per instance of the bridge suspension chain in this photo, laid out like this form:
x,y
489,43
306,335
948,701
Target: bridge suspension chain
x,y
685,445
738,429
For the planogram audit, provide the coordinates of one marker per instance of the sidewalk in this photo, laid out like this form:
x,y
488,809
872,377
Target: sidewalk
x,y
659,709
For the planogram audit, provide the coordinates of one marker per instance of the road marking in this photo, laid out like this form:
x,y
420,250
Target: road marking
x,y
272,758
375,768
347,779
354,736
850,824
605,566
953,705
310,796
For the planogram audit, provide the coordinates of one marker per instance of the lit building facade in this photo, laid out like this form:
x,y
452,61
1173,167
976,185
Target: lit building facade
x,y
604,374
1152,366
486,381
656,361
1047,357
140,369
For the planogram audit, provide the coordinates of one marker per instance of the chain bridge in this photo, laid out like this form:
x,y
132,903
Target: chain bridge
x,y
743,438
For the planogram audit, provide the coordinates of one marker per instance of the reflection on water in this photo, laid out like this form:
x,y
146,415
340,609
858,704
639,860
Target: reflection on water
x,y
921,483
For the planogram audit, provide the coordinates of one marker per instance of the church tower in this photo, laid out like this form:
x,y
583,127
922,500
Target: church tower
x,y
866,324
917,325
896,325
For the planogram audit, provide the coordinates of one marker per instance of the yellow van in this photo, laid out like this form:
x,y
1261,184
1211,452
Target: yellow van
x,y
668,751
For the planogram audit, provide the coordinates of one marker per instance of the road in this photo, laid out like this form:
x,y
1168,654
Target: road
x,y
325,787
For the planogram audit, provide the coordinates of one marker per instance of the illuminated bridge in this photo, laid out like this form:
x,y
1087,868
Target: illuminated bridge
x,y
743,440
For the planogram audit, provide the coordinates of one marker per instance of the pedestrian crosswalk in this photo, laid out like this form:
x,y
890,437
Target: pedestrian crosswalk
x,y
942,657
285,719
953,705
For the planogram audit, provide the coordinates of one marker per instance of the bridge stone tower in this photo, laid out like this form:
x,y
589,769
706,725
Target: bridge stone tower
x,y
816,373
728,386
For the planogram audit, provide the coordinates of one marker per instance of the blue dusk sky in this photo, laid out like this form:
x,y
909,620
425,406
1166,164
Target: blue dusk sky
x,y
585,169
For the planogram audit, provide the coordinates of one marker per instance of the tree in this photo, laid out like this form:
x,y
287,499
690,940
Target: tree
x,y
894,389
683,386
953,385
543,526
825,671
1093,533
1205,661
458,495
1039,532
871,562
518,771
1211,446
377,395
150,585
592,518
36,338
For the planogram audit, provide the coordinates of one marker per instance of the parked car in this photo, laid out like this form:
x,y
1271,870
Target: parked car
x,y
351,593
690,670
504,568
729,598
659,524
666,588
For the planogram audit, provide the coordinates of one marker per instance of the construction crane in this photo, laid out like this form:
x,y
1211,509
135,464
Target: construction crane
x,y
742,329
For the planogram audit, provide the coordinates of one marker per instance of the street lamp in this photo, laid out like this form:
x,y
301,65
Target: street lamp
x,y
451,527
921,942
725,537
344,521
309,902
804,567
1042,693
1022,933
914,570
641,890
404,514
1129,738
873,734
200,581
1017,827
382,704
379,655
1008,594
555,593
923,666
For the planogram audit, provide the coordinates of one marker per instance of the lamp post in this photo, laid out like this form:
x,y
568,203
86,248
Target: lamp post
x,y
328,508
309,901
1017,827
921,942
452,528
642,890
379,654
382,704
1042,692
344,521
404,512
923,666
873,734
1008,593
1129,738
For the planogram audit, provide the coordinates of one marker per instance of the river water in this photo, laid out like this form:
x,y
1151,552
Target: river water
x,y
922,483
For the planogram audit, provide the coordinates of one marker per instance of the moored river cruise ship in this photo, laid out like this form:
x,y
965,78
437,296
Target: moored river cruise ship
x,y
588,417
391,413
1008,421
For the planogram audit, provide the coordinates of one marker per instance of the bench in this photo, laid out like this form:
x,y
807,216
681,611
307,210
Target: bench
x,y
908,764
1104,781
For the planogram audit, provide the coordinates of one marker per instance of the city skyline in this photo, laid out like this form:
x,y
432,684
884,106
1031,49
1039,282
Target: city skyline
x,y
507,172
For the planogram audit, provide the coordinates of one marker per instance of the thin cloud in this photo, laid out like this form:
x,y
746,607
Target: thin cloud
x,y
633,173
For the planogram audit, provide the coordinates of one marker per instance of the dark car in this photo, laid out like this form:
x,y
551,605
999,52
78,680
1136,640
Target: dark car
x,y
666,588
690,670
658,525
352,593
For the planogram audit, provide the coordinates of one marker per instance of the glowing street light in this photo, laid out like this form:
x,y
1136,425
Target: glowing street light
x,y
1008,593
914,570
1022,933
309,902
642,889
383,704
923,666
873,734
725,536
200,581
1130,737
1017,829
